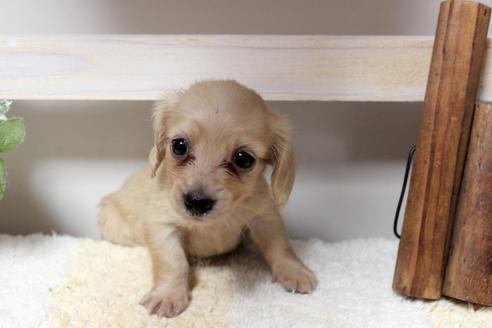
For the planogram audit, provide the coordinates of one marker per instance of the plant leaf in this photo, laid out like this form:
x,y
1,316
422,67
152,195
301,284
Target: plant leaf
x,y
12,132
3,178
4,106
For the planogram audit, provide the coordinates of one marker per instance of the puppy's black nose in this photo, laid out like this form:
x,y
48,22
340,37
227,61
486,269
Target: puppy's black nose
x,y
197,204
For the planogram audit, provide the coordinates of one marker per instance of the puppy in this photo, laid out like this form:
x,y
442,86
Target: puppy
x,y
205,187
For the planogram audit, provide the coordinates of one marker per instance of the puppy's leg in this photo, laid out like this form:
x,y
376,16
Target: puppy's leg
x,y
114,226
268,233
170,293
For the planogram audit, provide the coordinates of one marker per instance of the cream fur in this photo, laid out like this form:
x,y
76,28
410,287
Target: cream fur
x,y
216,118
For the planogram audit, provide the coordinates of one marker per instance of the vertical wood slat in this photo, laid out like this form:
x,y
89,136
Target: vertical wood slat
x,y
448,107
469,269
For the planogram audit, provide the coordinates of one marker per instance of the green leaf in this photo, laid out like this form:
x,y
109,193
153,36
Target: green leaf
x,y
12,132
4,106
3,178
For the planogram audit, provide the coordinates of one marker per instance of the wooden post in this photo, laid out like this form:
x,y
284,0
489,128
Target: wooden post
x,y
469,270
441,145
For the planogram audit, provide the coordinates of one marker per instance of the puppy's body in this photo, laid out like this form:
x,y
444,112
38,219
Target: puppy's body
x,y
204,187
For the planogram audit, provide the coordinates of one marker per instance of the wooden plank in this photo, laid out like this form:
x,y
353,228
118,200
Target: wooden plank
x,y
441,147
141,67
469,270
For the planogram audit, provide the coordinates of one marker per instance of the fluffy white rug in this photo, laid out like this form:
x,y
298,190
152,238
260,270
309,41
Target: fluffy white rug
x,y
58,281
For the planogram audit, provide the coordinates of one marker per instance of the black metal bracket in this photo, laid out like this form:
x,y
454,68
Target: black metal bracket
x,y
411,151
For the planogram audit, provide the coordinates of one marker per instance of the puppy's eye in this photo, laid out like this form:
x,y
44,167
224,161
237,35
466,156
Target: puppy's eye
x,y
243,161
179,147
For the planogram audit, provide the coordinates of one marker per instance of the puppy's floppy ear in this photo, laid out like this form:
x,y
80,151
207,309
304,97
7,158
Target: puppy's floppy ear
x,y
283,160
161,113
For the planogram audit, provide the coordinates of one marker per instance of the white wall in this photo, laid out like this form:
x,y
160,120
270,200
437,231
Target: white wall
x,y
351,155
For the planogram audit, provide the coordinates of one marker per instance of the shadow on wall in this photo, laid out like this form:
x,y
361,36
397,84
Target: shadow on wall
x,y
76,152
383,17
348,17
351,132
86,129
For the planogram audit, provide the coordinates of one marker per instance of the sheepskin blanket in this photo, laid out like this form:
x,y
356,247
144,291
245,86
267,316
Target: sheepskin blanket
x,y
61,281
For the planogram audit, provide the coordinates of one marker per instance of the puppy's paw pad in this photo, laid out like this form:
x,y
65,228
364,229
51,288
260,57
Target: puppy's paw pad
x,y
166,302
295,277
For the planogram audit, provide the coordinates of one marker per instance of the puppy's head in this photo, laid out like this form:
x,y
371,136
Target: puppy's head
x,y
212,144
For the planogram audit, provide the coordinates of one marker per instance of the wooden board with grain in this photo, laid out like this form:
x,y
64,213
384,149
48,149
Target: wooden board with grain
x,y
469,269
441,147
280,67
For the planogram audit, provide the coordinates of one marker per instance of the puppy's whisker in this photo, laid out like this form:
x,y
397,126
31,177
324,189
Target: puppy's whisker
x,y
230,225
239,222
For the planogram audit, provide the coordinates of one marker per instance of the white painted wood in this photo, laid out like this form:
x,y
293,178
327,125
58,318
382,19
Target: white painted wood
x,y
131,67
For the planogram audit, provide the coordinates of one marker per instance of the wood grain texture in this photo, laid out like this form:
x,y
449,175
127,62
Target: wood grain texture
x,y
469,269
441,148
141,67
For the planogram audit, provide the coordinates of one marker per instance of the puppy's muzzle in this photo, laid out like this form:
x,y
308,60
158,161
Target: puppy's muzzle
x,y
198,204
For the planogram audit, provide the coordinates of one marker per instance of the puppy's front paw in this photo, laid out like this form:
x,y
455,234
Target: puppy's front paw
x,y
166,301
295,277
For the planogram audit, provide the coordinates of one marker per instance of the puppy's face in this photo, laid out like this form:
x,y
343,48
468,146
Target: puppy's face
x,y
213,142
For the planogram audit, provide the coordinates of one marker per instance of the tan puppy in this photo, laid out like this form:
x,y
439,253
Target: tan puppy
x,y
204,187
